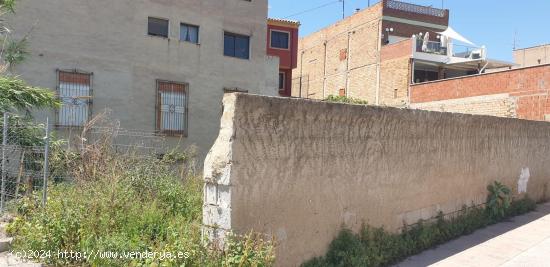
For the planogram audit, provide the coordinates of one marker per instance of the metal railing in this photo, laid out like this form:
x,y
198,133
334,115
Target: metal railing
x,y
431,47
464,51
423,10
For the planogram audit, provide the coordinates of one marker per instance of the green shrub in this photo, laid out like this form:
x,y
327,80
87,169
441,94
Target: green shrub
x,y
498,200
377,247
345,99
126,204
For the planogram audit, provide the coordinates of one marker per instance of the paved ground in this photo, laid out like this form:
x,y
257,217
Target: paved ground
x,y
12,261
521,241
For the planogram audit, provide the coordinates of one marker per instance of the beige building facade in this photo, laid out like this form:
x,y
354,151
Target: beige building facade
x,y
160,66
532,56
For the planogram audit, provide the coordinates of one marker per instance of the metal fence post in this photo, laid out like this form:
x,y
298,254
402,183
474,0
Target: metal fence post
x,y
4,172
46,163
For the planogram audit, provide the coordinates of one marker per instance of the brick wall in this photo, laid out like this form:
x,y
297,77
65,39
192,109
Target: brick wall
x,y
526,93
395,73
341,56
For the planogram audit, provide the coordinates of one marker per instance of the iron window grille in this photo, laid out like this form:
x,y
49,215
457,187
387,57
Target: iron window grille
x,y
172,108
74,90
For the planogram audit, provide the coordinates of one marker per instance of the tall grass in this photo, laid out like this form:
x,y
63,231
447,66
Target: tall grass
x,y
125,203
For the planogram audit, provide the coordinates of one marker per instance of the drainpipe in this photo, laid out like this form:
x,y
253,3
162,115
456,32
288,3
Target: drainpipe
x,y
377,102
347,64
325,71
301,71
409,93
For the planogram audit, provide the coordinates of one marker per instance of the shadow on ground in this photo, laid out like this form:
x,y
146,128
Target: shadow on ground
x,y
463,243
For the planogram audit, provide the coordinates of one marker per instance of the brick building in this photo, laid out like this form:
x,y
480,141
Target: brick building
x,y
518,93
282,42
377,53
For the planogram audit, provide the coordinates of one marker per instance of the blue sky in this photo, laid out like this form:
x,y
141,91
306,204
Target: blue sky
x,y
492,23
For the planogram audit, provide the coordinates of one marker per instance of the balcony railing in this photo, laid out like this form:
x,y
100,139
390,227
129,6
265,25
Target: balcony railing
x,y
451,50
464,51
431,47
423,10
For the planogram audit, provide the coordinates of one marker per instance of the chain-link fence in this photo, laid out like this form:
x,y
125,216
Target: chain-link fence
x,y
24,158
34,154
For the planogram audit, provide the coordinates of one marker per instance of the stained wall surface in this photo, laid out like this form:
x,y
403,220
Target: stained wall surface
x,y
301,169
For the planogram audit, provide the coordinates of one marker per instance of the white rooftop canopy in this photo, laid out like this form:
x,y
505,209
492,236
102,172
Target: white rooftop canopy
x,y
449,32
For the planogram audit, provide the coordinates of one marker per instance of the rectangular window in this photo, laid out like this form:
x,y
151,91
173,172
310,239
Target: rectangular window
x,y
189,33
158,27
280,39
172,115
75,92
281,80
236,45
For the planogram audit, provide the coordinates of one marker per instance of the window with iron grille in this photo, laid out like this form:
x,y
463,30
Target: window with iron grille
x,y
74,88
172,99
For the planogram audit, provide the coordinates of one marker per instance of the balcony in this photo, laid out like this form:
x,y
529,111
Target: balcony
x,y
431,47
446,53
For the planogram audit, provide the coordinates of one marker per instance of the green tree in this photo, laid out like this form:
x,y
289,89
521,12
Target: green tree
x,y
16,96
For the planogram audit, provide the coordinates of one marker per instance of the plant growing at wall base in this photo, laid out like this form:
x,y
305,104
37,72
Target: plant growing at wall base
x,y
498,200
345,99
378,247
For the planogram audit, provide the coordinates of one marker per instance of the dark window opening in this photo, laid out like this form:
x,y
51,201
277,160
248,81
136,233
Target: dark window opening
x,y
281,80
236,45
158,27
280,39
425,76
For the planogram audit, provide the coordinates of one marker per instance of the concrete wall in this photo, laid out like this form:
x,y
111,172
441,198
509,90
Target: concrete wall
x,y
300,169
533,56
109,38
519,93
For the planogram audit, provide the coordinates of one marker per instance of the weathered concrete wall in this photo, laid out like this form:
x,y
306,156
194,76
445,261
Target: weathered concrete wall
x,y
300,169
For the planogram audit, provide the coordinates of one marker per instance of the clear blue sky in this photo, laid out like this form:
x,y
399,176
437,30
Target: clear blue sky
x,y
492,23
